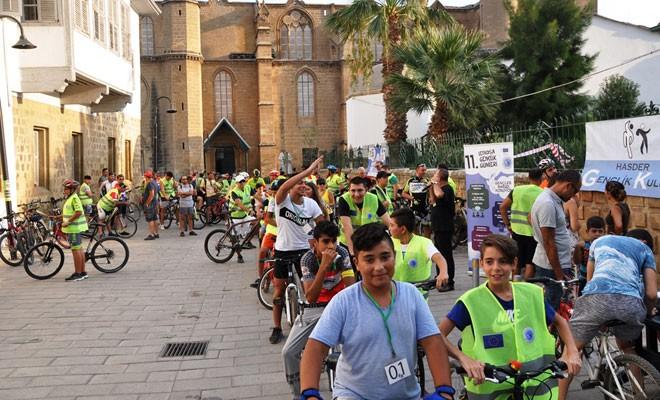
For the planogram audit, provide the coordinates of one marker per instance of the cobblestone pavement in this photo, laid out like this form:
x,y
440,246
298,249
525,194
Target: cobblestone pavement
x,y
101,338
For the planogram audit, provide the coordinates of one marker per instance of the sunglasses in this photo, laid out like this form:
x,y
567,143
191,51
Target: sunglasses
x,y
421,165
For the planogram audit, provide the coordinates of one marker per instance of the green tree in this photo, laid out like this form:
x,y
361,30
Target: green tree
x,y
618,98
446,72
388,22
545,49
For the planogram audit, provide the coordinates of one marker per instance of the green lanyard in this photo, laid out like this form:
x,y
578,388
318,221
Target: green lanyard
x,y
384,316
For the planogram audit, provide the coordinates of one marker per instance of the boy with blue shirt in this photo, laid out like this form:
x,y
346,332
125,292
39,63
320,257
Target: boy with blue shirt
x,y
614,290
378,323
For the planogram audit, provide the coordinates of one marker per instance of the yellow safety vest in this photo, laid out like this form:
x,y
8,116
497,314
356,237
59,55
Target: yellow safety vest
x,y
415,266
495,340
244,194
362,216
523,199
71,205
106,202
82,194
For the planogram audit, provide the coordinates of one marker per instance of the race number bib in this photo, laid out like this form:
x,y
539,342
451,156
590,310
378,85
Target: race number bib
x,y
417,187
397,371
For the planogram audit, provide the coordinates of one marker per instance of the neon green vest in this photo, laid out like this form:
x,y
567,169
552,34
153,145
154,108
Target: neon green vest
x,y
523,200
360,217
272,229
106,202
383,197
333,183
390,185
82,194
452,185
495,340
244,194
68,209
168,187
415,266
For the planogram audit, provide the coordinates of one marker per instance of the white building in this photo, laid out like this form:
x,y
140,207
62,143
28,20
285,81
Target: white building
x,y
71,106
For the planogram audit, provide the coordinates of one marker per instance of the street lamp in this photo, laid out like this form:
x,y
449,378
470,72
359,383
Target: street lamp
x,y
170,110
22,44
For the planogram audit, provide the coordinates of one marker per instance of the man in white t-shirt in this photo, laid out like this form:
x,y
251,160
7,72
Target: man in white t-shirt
x,y
294,214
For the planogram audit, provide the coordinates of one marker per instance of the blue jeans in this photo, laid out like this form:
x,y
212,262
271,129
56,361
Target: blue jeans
x,y
553,293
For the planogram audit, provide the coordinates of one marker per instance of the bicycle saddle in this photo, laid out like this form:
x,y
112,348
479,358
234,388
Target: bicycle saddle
x,y
613,322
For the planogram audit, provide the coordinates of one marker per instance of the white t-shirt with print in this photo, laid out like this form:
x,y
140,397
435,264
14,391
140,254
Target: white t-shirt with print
x,y
294,222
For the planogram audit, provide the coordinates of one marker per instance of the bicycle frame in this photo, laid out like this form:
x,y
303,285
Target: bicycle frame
x,y
238,244
295,284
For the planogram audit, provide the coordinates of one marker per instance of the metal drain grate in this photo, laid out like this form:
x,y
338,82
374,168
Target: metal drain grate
x,y
184,349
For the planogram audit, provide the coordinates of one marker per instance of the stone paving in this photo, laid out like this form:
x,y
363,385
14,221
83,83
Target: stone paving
x,y
101,338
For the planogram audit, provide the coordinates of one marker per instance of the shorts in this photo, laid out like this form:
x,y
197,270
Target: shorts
x,y
268,241
211,200
526,249
282,268
164,203
185,211
592,311
75,240
102,213
150,214
89,209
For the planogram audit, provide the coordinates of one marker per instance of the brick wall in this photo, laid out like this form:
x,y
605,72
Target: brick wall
x,y
95,130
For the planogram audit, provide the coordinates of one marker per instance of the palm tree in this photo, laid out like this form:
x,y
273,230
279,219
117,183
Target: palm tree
x,y
446,72
387,22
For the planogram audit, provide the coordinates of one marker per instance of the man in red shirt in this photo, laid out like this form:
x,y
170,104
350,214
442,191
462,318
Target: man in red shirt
x,y
326,269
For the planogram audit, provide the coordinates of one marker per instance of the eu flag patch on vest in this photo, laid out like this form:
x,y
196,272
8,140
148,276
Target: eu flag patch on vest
x,y
493,341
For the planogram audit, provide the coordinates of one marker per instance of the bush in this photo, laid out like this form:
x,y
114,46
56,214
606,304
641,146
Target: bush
x,y
618,98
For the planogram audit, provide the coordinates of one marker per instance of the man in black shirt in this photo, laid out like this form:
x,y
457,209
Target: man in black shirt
x,y
442,220
416,191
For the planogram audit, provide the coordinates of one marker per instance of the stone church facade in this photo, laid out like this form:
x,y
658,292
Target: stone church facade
x,y
251,81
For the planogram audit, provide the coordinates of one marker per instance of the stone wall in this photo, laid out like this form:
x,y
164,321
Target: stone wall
x,y
95,130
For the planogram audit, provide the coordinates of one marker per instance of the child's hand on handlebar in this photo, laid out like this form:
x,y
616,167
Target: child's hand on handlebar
x,y
474,369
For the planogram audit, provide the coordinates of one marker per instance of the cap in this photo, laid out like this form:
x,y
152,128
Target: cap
x,y
382,174
240,178
148,174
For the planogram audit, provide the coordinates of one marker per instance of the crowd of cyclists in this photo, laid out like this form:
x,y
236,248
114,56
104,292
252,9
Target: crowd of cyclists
x,y
386,235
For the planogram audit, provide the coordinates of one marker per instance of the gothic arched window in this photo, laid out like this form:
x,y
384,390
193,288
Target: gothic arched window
x,y
305,95
296,36
146,36
222,90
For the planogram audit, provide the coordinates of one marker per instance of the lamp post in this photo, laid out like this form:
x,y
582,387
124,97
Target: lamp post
x,y
170,110
22,44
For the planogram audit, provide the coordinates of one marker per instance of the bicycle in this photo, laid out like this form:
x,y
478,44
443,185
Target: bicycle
x,y
294,298
221,244
171,212
459,237
215,213
23,230
504,375
45,260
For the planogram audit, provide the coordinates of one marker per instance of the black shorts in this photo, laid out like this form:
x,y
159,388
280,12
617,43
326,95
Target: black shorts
x,y
150,214
282,267
526,249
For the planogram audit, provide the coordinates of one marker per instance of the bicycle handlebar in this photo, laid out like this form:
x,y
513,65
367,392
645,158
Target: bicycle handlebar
x,y
425,285
545,281
502,374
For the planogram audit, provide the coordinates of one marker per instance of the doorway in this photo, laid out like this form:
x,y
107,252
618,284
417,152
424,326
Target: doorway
x,y
224,160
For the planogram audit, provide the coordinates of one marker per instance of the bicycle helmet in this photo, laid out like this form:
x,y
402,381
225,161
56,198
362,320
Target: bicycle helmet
x,y
331,168
274,173
545,164
70,184
256,173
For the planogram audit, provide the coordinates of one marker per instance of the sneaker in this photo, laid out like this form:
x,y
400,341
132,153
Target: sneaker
x,y
255,284
124,233
162,227
156,236
74,277
150,238
112,234
192,233
241,260
446,288
81,276
276,336
182,234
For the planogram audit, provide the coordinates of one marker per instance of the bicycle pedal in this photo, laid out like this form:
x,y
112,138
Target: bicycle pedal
x,y
590,384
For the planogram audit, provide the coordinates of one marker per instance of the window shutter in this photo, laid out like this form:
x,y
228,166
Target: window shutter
x,y
10,6
48,11
84,11
77,14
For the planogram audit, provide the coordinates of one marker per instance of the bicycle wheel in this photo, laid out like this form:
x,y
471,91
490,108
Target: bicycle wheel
x,y
219,246
201,214
134,211
292,305
459,236
457,381
198,223
11,252
633,388
420,371
266,288
44,260
109,254
128,231
169,217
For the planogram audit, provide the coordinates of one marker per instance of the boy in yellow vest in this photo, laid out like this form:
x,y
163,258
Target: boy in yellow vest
x,y
86,196
73,224
503,321
414,254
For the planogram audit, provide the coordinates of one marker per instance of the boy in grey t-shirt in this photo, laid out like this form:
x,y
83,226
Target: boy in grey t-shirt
x,y
379,323
186,206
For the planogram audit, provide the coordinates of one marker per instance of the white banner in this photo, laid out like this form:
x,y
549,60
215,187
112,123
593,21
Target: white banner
x,y
488,180
624,150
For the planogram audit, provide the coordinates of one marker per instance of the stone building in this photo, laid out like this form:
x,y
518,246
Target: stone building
x,y
71,106
251,80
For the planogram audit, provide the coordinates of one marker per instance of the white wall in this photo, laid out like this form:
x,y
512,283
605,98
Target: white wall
x,y
617,42
365,116
102,64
